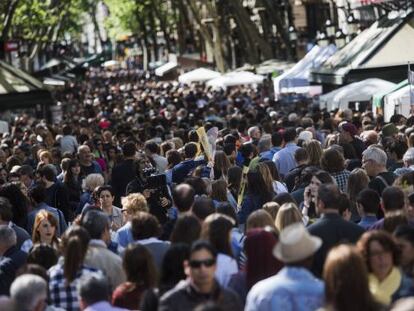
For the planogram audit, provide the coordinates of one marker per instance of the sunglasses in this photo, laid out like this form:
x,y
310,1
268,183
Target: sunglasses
x,y
198,263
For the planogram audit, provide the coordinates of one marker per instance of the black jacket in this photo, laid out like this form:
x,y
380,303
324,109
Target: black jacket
x,y
184,297
122,175
13,259
332,229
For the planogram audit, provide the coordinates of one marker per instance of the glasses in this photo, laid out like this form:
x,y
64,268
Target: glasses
x,y
198,263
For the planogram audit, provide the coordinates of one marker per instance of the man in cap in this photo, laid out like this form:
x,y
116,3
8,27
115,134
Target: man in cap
x,y
348,134
294,287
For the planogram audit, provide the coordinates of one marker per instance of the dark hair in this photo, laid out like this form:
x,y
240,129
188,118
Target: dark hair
x,y
43,255
394,219
385,239
69,177
172,267
198,184
74,245
343,203
277,139
370,201
95,222
37,193
139,265
229,148
329,195
405,232
18,201
104,188
257,186
190,150
301,155
284,197
324,177
261,263
289,134
183,197
152,147
26,170
48,172
203,206
6,213
66,129
332,161
393,199
129,149
93,288
144,226
173,158
216,229
273,169
203,245
186,230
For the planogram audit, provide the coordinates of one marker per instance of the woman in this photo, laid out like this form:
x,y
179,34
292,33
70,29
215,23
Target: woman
x,y
314,150
257,194
387,282
234,179
217,230
278,186
141,275
72,182
173,158
89,184
19,202
65,275
112,158
44,229
357,181
333,162
221,165
99,154
288,214
260,264
186,230
106,197
259,220
346,281
311,193
219,191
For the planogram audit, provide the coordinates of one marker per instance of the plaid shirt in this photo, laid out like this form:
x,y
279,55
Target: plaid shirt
x,y
63,296
341,179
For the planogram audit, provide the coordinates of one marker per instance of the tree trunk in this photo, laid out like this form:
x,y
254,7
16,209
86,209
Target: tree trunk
x,y
8,19
161,16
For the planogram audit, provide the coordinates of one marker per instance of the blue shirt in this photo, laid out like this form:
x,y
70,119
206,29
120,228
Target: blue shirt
x,y
124,235
293,288
268,155
285,159
367,221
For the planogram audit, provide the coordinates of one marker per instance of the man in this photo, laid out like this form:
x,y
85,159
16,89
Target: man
x,y
183,169
146,230
6,216
152,150
276,141
254,134
183,199
347,134
405,239
68,142
367,203
11,258
26,175
408,160
37,196
292,178
94,293
374,161
294,287
124,172
331,227
285,158
87,164
98,255
200,286
393,200
29,293
57,195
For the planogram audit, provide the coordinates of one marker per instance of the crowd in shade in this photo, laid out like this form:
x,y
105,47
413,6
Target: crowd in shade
x,y
160,196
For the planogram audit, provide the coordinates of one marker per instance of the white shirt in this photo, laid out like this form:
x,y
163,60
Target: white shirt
x,y
226,267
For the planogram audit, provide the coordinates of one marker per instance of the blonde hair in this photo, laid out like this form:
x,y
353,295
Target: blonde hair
x,y
288,214
264,170
272,208
92,181
46,154
134,203
259,219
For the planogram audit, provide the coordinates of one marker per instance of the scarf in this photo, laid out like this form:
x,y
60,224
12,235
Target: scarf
x,y
383,291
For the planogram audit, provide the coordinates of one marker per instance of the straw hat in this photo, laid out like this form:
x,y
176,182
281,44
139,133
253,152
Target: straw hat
x,y
296,244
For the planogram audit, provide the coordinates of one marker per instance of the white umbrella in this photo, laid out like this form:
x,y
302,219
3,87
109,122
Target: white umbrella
x,y
111,63
400,99
235,78
198,75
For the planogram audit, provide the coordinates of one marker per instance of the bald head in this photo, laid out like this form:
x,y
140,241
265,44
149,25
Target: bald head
x,y
370,137
183,197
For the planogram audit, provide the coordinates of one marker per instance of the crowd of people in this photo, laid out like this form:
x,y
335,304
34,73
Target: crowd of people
x,y
126,205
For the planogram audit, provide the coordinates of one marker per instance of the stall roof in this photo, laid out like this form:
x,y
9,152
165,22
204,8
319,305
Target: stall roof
x,y
386,44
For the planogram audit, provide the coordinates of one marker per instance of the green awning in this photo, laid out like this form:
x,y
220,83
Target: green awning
x,y
378,99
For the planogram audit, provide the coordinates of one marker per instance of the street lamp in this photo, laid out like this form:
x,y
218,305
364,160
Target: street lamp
x,y
322,39
330,28
340,39
293,36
